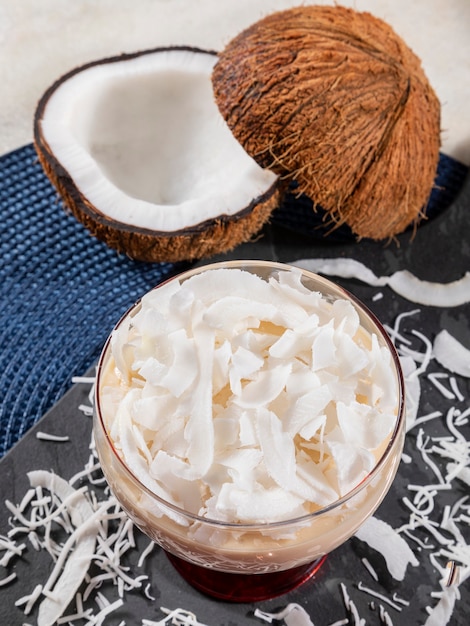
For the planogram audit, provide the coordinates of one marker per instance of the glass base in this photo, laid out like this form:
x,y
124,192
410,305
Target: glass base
x,y
244,587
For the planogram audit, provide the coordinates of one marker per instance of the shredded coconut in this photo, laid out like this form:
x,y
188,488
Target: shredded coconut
x,y
293,615
178,617
383,538
379,596
370,569
451,353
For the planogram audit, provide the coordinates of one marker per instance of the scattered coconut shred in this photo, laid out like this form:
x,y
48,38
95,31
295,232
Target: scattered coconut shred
x,y
91,563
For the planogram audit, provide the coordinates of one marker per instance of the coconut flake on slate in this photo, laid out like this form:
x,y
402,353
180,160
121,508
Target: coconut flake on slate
x,y
442,612
178,617
362,425
352,464
81,544
342,267
293,615
267,386
382,537
412,390
451,353
454,293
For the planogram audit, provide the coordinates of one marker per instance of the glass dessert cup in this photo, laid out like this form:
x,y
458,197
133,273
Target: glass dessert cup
x,y
245,562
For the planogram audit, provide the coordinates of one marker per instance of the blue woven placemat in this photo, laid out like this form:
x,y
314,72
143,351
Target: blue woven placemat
x,y
61,292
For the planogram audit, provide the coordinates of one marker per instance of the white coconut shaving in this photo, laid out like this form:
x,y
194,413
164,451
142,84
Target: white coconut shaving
x,y
442,612
379,596
380,536
293,615
451,353
51,437
225,353
98,535
403,282
178,617
68,573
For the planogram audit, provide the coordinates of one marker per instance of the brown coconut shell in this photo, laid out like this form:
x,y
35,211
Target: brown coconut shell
x,y
205,239
335,100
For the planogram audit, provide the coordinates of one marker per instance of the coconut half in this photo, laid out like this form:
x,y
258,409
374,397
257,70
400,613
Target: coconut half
x,y
140,154
335,100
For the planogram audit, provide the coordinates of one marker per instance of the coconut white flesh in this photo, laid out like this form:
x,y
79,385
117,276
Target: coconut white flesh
x,y
144,141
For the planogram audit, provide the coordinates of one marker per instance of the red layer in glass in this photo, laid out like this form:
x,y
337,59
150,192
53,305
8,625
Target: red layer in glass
x,y
244,587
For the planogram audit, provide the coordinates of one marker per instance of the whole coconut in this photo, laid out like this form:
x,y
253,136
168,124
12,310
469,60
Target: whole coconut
x,y
335,100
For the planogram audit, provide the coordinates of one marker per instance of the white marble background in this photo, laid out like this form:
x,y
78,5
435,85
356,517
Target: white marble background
x,y
42,39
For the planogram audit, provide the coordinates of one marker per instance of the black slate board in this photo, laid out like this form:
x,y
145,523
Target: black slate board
x,y
321,596
440,252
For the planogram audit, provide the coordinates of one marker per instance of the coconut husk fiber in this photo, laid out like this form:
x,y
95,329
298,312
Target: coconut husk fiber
x,y
335,100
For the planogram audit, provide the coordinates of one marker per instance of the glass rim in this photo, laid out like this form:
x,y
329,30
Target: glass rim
x,y
279,524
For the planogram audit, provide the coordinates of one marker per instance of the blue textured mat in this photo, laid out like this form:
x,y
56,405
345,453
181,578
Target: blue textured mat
x,y
61,292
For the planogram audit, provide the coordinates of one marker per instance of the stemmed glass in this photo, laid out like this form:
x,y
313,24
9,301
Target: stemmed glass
x,y
251,562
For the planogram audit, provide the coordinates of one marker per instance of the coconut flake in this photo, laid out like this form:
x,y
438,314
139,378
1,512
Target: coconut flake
x,y
404,283
51,437
199,431
382,537
343,267
442,612
451,353
244,364
293,615
306,416
64,585
7,579
412,390
379,596
270,359
352,463
435,378
351,607
362,425
178,617
428,293
370,569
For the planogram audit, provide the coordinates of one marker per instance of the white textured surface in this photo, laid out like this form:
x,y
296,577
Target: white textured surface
x,y
41,40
